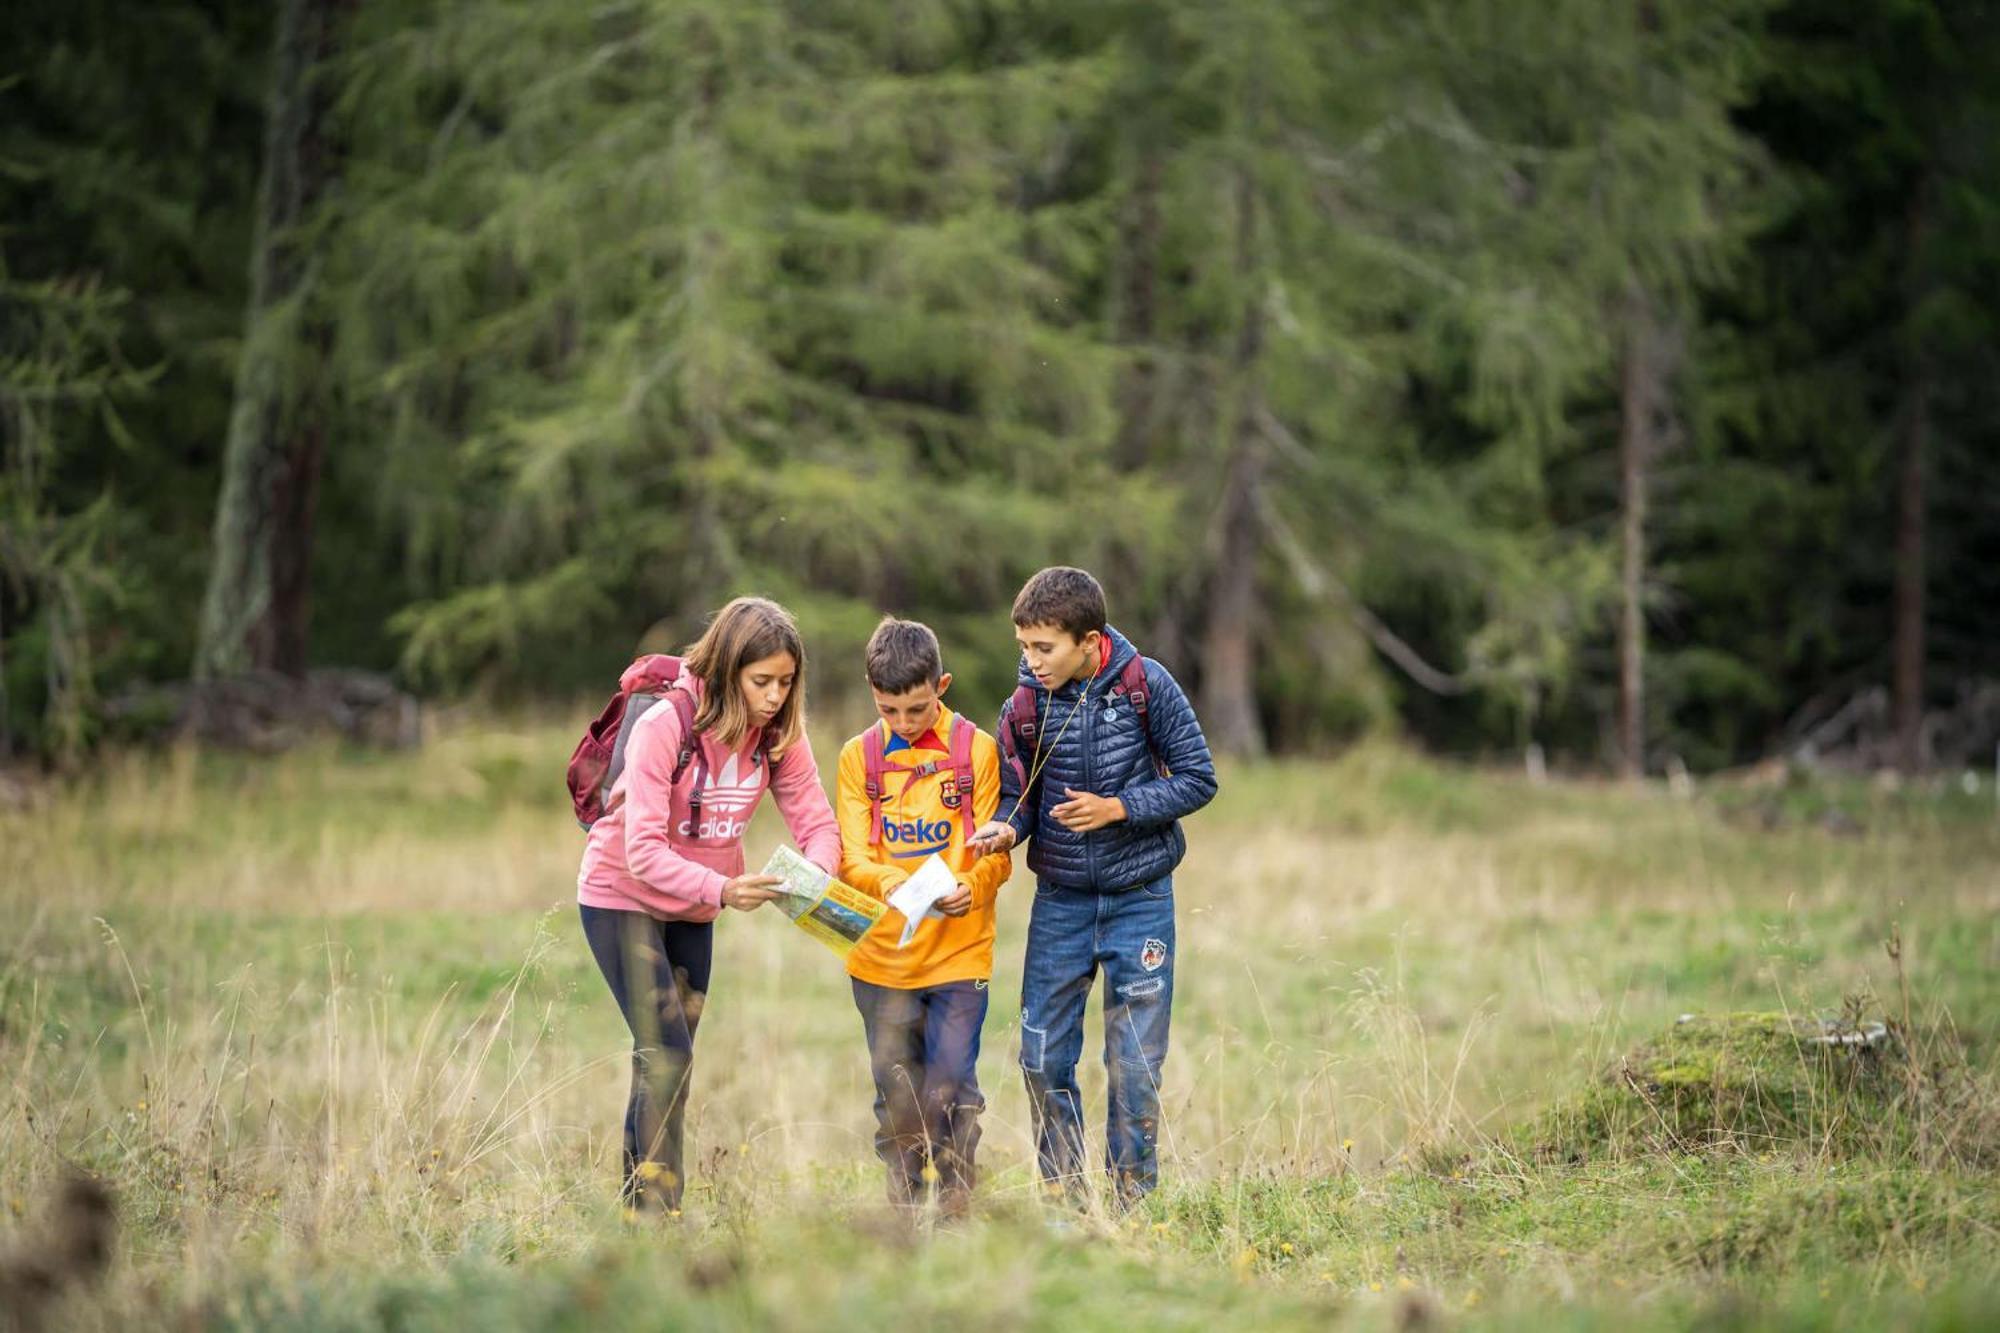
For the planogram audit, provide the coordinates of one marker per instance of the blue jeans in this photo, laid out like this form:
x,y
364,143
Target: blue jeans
x,y
1071,934
658,973
923,1051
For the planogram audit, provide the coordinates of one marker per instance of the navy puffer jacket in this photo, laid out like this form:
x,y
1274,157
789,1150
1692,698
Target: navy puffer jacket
x,y
1102,750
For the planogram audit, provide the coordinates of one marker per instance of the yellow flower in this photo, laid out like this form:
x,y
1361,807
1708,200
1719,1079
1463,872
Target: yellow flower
x,y
1347,1145
1286,1248
742,1147
142,1105
1374,1286
930,1173
1403,1282
1160,1228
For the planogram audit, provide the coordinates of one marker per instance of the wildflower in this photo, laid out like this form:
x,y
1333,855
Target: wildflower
x,y
1374,1286
1347,1145
930,1173
1286,1248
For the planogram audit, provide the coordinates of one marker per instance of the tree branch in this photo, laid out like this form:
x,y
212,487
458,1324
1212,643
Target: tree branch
x,y
1314,580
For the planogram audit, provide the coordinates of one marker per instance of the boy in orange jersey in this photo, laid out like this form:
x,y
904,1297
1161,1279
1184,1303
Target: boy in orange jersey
x,y
917,783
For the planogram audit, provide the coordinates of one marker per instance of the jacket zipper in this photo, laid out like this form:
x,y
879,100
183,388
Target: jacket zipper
x,y
1089,785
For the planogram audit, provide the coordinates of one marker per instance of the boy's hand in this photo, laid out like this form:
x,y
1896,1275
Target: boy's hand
x,y
1083,812
956,903
995,836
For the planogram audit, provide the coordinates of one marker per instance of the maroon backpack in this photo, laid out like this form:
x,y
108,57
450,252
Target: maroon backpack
x,y
957,770
600,756
1024,722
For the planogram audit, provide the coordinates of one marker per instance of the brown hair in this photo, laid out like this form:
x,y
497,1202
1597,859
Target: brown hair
x,y
901,655
1070,599
747,630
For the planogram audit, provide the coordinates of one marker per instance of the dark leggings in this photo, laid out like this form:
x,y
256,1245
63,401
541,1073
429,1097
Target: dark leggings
x,y
658,973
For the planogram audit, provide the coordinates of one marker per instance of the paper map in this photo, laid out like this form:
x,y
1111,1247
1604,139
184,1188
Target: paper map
x,y
832,912
916,897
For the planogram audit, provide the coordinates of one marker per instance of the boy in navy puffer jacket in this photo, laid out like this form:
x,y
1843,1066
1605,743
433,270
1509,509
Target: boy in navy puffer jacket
x,y
1101,758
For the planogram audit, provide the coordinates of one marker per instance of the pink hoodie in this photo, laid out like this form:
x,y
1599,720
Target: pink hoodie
x,y
643,855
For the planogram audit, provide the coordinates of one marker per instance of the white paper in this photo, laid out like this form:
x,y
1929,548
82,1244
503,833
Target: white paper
x,y
916,897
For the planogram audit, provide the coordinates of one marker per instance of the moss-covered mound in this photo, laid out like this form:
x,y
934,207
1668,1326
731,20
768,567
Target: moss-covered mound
x,y
1754,1081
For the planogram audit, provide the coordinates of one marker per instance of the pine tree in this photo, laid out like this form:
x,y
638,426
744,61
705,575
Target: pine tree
x,y
255,612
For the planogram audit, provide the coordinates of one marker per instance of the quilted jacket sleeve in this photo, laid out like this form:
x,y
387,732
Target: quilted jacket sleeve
x,y
1190,783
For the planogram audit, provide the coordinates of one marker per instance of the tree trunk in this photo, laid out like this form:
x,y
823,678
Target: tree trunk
x,y
1907,689
1912,448
1651,356
1229,662
1137,326
256,610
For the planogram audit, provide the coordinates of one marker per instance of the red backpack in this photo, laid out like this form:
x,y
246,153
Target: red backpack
x,y
957,770
599,757
1024,721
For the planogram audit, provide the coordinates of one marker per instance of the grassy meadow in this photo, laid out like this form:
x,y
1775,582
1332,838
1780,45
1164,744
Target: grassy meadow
x,y
325,1025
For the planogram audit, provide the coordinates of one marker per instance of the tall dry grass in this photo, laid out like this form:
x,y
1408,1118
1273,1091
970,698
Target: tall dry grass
x,y
331,1011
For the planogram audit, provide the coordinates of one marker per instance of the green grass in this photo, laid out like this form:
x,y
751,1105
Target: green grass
x,y
326,1025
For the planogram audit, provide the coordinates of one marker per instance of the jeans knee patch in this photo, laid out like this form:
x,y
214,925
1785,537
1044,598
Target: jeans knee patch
x,y
1144,986
1034,1048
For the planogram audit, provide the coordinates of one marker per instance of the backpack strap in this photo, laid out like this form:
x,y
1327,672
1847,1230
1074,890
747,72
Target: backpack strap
x,y
1132,684
958,780
875,757
1017,738
691,751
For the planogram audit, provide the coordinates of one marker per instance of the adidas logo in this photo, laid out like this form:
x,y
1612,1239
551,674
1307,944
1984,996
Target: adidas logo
x,y
728,794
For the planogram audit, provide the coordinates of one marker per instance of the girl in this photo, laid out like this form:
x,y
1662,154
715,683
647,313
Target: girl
x,y
667,856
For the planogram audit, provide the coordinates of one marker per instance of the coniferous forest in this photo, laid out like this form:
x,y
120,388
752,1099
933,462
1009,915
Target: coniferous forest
x,y
1614,378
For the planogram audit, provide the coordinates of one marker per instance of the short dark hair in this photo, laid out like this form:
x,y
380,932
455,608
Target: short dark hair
x,y
1070,599
903,654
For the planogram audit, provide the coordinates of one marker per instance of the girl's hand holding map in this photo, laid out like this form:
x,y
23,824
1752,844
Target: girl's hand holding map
x,y
747,893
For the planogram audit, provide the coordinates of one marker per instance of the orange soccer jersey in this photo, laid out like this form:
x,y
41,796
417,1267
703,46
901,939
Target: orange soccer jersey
x,y
917,822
